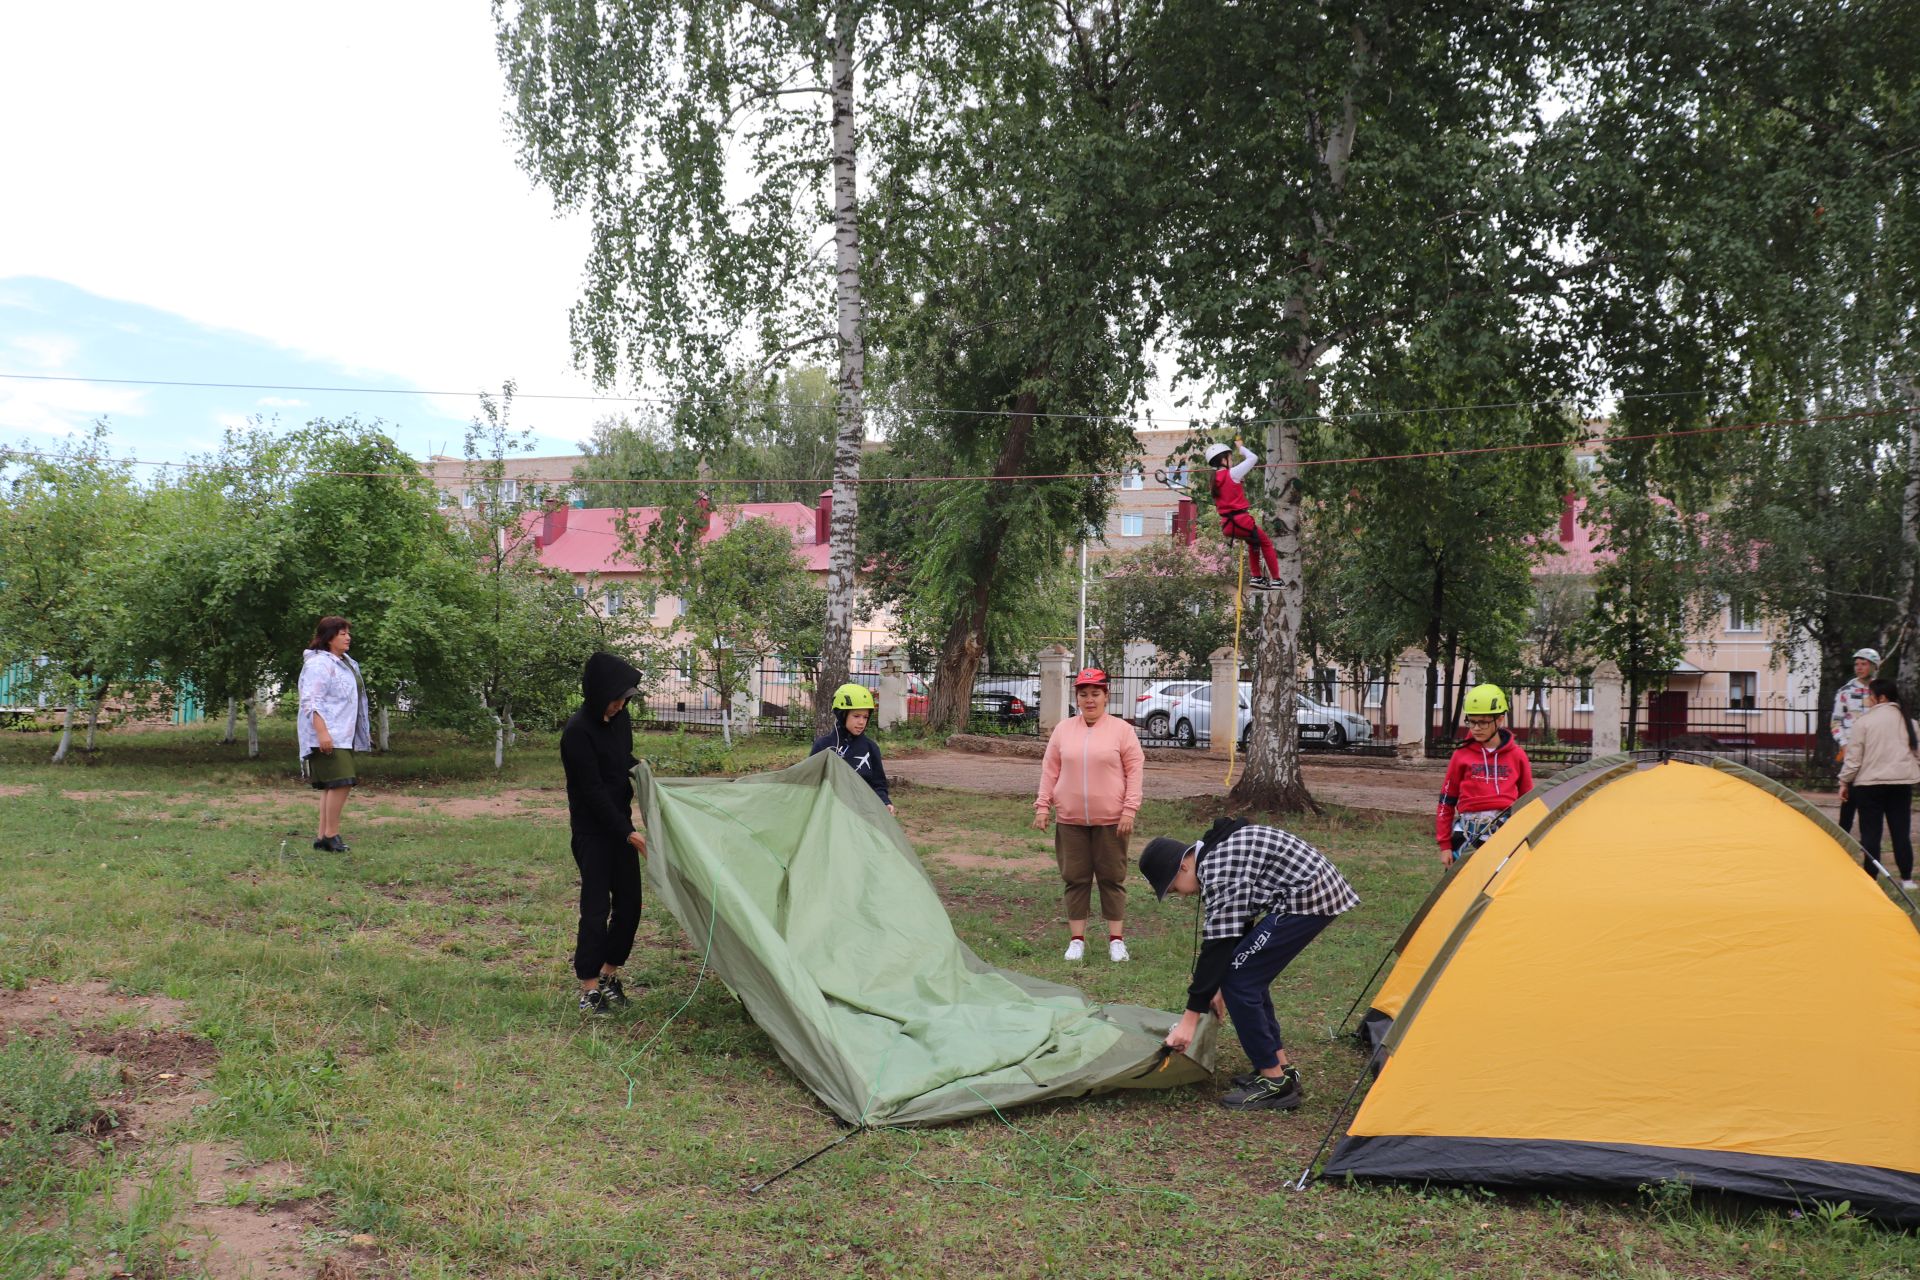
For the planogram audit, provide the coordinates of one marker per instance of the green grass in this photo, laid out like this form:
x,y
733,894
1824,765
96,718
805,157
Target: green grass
x,y
397,1022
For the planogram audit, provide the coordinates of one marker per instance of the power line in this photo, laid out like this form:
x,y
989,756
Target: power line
x,y
923,411
710,482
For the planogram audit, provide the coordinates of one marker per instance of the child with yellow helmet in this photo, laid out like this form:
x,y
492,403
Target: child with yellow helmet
x,y
1487,774
853,707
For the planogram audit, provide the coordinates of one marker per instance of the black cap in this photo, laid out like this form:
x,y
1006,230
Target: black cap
x,y
1159,860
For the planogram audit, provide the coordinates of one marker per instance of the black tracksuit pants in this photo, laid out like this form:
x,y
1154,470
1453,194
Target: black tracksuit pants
x,y
1890,804
609,904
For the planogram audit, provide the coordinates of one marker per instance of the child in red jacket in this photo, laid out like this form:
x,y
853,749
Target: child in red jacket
x,y
1236,515
1486,775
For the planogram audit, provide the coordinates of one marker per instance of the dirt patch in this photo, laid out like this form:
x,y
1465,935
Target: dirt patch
x,y
104,795
525,802
1393,789
15,791
241,1225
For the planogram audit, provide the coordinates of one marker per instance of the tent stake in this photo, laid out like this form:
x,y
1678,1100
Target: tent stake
x,y
804,1160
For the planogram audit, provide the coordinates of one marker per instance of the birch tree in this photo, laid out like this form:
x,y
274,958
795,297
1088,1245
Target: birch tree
x,y
1339,183
709,142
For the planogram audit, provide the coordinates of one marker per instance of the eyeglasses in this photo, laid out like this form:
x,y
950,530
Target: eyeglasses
x,y
1483,722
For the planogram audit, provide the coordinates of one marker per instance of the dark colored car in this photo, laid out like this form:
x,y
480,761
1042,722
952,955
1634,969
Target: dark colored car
x,y
1004,708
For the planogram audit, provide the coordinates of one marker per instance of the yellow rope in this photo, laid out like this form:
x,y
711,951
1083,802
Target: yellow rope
x,y
1233,739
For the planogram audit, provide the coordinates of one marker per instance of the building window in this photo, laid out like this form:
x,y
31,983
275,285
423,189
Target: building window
x,y
1132,526
510,490
1322,683
576,497
1740,616
1170,519
1743,691
444,498
1376,691
613,602
1586,464
579,591
1583,696
1133,480
466,497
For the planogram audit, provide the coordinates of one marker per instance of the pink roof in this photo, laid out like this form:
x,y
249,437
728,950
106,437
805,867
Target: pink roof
x,y
590,540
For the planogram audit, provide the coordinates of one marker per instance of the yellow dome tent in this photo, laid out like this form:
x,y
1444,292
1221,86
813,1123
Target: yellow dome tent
x,y
1656,970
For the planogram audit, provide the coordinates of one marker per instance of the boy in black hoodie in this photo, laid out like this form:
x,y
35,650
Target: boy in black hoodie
x,y
596,749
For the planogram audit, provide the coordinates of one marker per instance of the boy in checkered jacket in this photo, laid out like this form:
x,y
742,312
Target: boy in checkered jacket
x,y
1265,894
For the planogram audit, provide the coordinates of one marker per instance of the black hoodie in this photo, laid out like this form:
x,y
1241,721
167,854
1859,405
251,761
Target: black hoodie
x,y
597,754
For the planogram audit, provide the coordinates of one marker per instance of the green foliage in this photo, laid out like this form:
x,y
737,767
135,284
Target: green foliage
x,y
1177,598
63,518
46,1098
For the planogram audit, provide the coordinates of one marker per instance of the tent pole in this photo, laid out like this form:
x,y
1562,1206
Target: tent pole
x,y
803,1160
1306,1174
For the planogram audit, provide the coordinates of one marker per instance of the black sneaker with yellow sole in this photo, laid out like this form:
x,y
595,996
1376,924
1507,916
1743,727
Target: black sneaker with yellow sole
x,y
1266,1093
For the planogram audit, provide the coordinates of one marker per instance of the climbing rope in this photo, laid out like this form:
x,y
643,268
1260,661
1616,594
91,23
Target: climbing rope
x,y
1233,739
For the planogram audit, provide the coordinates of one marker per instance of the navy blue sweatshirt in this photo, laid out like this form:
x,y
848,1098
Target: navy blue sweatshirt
x,y
859,751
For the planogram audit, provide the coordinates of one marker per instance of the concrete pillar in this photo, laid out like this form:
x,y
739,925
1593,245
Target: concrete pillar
x,y
1136,673
1225,717
1410,704
1056,685
893,690
1607,720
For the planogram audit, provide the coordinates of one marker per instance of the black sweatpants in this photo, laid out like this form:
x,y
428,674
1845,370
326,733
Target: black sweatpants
x,y
1891,803
609,905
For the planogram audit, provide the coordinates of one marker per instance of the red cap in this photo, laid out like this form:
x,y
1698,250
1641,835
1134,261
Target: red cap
x,y
1090,675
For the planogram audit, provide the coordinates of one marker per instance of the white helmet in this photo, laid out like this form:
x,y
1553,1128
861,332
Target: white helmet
x,y
1871,655
1216,451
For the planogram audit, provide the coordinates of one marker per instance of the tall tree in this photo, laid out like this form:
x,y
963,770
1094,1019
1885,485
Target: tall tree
x,y
63,514
1007,281
1340,184
691,133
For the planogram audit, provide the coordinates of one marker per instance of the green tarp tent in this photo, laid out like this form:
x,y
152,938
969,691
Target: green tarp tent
x,y
809,903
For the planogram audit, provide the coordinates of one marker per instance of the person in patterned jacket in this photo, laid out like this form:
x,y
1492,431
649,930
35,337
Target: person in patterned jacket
x,y
1265,894
1849,704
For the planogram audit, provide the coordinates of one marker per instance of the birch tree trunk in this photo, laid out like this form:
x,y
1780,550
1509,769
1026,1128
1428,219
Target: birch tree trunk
x,y
836,646
233,720
253,727
66,736
499,743
93,722
1271,779
385,728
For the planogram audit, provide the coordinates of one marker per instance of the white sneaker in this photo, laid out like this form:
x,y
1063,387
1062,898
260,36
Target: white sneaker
x,y
1908,884
1077,949
1116,950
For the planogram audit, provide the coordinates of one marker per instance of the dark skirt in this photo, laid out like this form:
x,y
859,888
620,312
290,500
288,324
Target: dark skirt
x,y
329,771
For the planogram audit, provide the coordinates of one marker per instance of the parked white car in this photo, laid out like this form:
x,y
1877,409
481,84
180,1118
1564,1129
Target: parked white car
x,y
1320,725
1150,709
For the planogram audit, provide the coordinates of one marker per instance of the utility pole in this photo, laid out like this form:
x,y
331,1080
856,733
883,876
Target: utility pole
x,y
1080,636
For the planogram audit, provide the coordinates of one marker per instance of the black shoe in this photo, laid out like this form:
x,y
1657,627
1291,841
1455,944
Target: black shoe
x,y
324,844
611,990
1267,1094
337,844
594,1002
1246,1078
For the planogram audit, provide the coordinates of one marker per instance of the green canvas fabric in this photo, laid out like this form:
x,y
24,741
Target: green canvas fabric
x,y
809,903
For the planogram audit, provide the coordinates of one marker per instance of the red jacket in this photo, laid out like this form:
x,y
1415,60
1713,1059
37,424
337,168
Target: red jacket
x,y
1481,780
1229,495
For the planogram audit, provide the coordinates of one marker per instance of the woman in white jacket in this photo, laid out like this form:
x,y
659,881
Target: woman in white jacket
x,y
1879,773
332,723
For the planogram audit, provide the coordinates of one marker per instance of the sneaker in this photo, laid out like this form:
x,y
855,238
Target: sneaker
x,y
1908,884
1116,950
1077,949
1267,1094
615,994
324,844
594,1002
1244,1079
1263,584
339,845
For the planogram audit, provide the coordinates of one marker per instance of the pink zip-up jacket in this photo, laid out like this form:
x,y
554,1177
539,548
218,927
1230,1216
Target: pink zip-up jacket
x,y
1091,774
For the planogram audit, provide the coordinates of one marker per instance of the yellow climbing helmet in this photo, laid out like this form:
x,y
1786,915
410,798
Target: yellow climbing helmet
x,y
853,697
1485,700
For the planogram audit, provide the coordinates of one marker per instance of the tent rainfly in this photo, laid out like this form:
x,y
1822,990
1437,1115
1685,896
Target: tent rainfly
x,y
1657,970
812,907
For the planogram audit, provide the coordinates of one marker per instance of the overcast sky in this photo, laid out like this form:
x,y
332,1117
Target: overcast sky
x,y
333,181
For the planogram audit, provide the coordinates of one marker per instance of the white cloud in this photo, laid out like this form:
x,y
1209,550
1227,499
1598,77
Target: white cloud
x,y
59,409
41,352
280,402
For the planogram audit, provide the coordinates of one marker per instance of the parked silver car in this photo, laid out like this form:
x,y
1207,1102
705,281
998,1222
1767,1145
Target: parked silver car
x,y
1320,725
1150,709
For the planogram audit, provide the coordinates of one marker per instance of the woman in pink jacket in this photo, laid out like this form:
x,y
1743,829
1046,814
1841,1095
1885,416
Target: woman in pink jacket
x,y
1091,777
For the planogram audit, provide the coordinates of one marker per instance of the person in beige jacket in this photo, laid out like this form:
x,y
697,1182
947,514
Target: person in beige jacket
x,y
1882,766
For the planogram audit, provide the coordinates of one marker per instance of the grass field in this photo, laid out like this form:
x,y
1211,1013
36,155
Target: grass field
x,y
383,1045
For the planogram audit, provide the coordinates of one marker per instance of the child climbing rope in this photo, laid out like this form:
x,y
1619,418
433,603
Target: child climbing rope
x,y
1236,516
